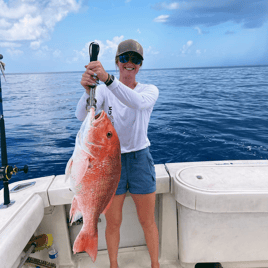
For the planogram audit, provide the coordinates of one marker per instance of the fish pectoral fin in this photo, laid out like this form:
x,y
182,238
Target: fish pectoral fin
x,y
109,204
75,213
68,169
80,166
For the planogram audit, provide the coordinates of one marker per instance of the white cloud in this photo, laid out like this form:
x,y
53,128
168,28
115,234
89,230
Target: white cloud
x,y
14,52
173,6
107,50
198,52
41,54
139,31
201,31
32,20
35,45
27,28
57,53
46,48
248,13
186,48
150,50
161,18
44,51
16,9
9,44
189,43
4,24
198,30
170,6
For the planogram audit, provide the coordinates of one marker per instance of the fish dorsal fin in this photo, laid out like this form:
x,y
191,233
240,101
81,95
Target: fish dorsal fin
x,y
80,166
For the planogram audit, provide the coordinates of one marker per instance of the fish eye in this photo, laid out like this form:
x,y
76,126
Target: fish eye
x,y
109,134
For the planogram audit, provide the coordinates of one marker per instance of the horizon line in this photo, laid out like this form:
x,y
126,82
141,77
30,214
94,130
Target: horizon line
x,y
151,69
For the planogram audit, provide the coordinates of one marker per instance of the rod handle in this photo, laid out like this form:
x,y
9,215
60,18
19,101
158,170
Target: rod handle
x,y
94,49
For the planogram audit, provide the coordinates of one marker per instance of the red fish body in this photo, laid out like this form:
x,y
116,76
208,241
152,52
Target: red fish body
x,y
94,171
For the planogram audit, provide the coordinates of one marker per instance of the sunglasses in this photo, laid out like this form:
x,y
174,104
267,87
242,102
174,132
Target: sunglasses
x,y
134,58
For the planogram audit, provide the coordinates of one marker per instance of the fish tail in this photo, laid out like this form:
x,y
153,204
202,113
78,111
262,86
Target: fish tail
x,y
88,243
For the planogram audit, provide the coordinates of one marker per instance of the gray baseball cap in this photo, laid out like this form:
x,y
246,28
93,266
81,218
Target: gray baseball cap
x,y
129,45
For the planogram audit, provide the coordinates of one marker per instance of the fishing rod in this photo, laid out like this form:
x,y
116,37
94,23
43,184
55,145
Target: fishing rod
x,y
6,171
94,50
2,66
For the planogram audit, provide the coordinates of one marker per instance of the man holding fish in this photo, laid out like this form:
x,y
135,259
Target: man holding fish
x,y
128,105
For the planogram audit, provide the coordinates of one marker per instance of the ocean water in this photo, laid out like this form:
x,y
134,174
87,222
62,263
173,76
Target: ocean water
x,y
202,114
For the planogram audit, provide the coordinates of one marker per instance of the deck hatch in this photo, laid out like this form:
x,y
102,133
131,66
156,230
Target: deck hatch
x,y
22,186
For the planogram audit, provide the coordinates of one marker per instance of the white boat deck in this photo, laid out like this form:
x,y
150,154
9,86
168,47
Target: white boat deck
x,y
127,258
206,212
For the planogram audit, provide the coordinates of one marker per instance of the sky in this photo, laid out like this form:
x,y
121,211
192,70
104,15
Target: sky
x,y
54,35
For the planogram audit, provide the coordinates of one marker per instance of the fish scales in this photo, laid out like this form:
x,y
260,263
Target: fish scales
x,y
94,172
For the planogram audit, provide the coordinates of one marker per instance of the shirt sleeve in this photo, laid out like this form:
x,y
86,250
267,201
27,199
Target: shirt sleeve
x,y
136,100
81,111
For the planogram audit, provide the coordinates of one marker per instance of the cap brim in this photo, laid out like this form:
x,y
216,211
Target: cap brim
x,y
118,54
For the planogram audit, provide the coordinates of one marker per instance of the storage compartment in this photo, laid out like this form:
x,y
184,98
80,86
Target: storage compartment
x,y
131,233
222,237
222,212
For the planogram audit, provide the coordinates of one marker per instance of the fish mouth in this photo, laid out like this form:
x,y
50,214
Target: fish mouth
x,y
92,116
96,118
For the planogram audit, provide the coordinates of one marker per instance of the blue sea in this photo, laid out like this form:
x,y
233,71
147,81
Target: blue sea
x,y
202,114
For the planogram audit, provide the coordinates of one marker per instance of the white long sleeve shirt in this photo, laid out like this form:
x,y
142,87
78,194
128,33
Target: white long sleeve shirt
x,y
128,109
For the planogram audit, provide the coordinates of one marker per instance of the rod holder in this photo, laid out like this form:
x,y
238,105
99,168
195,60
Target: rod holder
x,y
5,175
6,171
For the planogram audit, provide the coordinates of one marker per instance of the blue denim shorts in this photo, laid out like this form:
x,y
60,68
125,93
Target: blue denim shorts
x,y
137,173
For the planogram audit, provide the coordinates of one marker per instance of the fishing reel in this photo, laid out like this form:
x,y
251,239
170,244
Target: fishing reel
x,y
5,174
7,171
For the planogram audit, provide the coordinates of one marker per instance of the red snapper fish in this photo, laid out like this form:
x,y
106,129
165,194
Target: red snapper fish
x,y
94,172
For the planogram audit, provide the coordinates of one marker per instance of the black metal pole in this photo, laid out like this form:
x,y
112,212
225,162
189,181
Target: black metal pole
x,y
6,171
3,148
3,132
